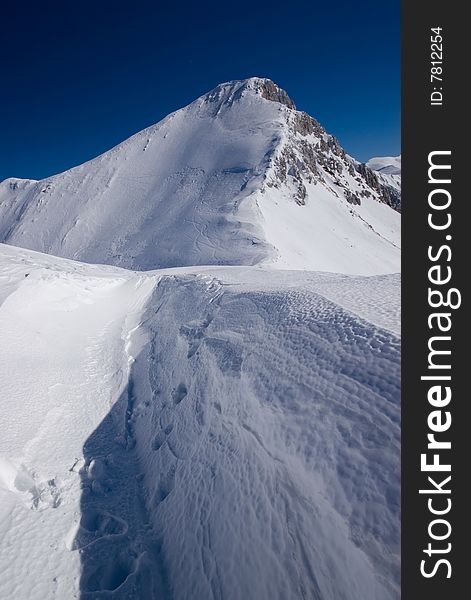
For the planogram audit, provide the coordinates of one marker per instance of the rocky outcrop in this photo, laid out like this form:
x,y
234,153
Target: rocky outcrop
x,y
270,91
387,194
304,124
310,155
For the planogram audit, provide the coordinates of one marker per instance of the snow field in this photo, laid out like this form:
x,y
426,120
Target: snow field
x,y
61,367
271,419
200,432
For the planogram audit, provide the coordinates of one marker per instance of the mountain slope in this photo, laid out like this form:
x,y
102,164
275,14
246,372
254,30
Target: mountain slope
x,y
217,432
238,177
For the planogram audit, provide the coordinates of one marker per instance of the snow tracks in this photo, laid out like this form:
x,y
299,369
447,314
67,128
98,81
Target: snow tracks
x,y
202,433
265,421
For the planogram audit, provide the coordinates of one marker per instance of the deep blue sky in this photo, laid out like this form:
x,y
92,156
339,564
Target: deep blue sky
x,y
79,77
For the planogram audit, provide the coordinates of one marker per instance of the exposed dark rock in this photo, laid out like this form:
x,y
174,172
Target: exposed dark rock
x,y
387,194
301,194
369,176
306,161
391,197
270,91
305,124
351,197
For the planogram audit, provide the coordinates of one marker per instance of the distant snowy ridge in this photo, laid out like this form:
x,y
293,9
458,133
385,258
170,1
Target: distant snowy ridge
x,y
388,171
238,177
387,165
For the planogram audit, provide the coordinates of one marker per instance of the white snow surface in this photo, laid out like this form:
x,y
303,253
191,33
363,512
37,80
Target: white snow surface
x,y
389,165
214,183
200,432
388,169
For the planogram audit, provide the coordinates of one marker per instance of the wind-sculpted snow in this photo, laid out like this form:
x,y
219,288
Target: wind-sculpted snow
x,y
238,177
197,433
268,424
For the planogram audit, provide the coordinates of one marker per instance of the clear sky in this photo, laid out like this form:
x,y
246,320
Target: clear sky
x,y
79,77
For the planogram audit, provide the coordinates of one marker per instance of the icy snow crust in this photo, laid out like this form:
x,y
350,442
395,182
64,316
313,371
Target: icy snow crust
x,y
234,178
203,432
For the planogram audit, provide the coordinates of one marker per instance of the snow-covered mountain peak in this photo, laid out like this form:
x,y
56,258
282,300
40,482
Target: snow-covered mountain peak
x,y
231,91
238,177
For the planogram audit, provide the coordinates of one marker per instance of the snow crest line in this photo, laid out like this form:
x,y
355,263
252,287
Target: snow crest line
x,y
222,395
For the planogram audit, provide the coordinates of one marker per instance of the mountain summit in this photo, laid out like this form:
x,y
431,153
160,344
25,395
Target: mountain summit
x,y
238,177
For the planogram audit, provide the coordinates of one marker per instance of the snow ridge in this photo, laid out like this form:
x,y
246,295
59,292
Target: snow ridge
x,y
196,428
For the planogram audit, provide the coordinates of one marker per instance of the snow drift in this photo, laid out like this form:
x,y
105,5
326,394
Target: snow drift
x,y
225,432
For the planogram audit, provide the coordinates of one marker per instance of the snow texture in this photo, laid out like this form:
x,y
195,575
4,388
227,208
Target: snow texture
x,y
217,432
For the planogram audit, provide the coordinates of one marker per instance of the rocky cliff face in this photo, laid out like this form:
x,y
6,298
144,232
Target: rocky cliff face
x,y
309,153
270,91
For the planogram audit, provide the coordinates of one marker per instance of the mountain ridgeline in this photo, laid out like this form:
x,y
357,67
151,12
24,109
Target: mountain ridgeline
x,y
238,177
